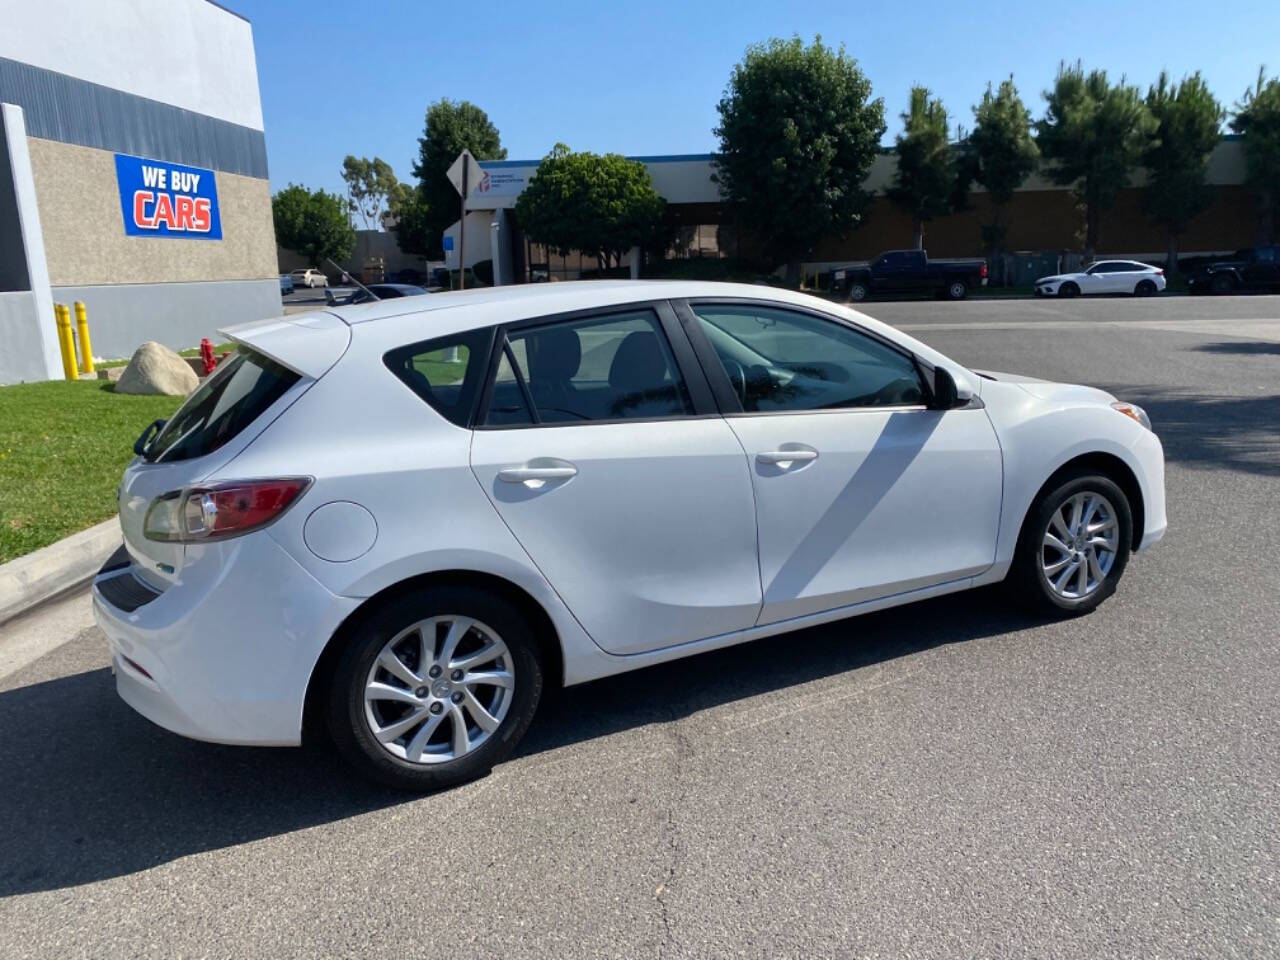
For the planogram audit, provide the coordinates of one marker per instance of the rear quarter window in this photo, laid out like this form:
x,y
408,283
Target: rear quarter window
x,y
446,373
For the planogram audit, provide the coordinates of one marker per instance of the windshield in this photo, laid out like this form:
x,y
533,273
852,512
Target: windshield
x,y
234,396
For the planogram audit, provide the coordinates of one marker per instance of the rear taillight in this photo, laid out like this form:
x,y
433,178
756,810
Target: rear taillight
x,y
220,510
982,271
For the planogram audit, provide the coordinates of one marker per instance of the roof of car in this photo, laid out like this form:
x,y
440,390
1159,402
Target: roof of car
x,y
559,297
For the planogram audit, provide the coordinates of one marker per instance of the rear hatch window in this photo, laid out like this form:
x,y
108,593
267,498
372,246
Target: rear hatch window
x,y
235,395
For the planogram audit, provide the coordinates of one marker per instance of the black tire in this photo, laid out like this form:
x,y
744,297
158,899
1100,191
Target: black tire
x,y
1069,289
957,290
345,712
858,291
1223,283
1027,577
1145,288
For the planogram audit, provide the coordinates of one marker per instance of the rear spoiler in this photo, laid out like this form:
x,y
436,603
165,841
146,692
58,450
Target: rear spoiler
x,y
307,343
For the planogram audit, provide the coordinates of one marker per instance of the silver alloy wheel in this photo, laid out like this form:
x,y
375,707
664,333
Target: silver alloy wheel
x,y
439,689
956,290
857,292
1079,545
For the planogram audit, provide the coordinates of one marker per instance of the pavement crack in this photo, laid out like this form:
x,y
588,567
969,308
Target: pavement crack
x,y
671,831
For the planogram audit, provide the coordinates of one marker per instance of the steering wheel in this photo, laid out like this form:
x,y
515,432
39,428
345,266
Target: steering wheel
x,y
737,377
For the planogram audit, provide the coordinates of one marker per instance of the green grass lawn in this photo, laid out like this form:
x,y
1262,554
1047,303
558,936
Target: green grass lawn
x,y
63,446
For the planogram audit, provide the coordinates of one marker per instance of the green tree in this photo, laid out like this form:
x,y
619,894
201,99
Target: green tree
x,y
370,186
599,205
1094,133
313,223
1257,120
411,228
451,127
798,133
1002,153
1189,119
924,183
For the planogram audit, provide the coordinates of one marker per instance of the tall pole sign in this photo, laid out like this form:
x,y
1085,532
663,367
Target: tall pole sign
x,y
464,175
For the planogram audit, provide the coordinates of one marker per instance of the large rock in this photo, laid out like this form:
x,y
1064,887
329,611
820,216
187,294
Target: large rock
x,y
155,368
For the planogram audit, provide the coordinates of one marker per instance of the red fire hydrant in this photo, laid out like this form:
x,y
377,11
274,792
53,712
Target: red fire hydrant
x,y
206,354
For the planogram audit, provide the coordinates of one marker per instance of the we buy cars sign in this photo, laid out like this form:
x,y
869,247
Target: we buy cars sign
x,y
159,199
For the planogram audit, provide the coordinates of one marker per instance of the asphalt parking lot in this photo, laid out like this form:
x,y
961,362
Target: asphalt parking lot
x,y
950,779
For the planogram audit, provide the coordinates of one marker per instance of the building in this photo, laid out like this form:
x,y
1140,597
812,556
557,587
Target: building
x,y
1042,219
133,177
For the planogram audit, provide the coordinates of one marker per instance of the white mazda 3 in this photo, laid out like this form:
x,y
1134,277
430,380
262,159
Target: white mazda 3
x,y
401,521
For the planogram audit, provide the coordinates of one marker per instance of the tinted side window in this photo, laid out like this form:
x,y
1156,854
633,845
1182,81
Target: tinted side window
x,y
779,360
614,367
446,372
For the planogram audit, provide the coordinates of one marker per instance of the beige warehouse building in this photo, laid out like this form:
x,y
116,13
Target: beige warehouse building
x,y
133,177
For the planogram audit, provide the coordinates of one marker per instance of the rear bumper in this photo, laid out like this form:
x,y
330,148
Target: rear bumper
x,y
225,653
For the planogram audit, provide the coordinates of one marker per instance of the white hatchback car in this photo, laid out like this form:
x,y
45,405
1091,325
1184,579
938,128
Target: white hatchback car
x,y
400,521
1105,276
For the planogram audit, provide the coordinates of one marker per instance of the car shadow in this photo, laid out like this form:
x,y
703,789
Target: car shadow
x,y
92,791
1242,347
1212,432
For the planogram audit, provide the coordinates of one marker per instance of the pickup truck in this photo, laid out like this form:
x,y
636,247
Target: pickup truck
x,y
909,272
1257,268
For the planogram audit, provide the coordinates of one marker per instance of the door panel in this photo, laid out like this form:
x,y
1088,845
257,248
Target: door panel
x,y
894,500
647,530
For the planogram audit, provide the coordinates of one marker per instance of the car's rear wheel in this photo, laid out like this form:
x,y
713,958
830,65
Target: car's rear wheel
x,y
857,291
435,688
957,290
1074,545
1223,283
1145,288
1069,289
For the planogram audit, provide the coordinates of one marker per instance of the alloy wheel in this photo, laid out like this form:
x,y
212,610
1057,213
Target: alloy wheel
x,y
439,689
1079,545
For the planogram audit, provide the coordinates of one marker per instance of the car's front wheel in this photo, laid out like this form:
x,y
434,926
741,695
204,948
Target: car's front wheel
x,y
1074,545
858,291
435,688
1069,289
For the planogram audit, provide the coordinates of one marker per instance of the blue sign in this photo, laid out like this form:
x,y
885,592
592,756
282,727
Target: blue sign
x,y
448,243
161,199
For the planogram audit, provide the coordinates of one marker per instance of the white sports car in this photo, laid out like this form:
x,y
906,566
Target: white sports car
x,y
1105,276
401,521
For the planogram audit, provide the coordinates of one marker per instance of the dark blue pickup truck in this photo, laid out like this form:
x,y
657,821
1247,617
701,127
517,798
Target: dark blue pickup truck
x,y
908,272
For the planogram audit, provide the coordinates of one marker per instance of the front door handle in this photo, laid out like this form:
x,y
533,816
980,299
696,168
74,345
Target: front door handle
x,y
536,476
783,457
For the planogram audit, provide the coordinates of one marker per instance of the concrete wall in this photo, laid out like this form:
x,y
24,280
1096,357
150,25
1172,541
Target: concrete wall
x,y
188,53
84,236
28,337
122,316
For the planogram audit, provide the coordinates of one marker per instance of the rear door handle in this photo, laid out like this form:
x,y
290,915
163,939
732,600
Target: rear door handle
x,y
538,474
780,457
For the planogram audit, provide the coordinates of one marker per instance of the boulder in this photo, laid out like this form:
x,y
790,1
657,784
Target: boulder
x,y
155,368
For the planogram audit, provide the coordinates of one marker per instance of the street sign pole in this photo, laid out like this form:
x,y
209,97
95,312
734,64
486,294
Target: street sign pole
x,y
462,234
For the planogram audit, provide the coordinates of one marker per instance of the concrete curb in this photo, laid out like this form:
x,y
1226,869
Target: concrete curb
x,y
56,568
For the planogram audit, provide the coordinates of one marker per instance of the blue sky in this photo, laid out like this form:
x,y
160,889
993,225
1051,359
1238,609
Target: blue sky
x,y
644,78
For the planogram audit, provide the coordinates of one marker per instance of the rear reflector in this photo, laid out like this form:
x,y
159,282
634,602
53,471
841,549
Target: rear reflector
x,y
221,510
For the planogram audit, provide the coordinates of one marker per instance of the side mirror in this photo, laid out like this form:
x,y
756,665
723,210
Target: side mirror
x,y
946,394
144,439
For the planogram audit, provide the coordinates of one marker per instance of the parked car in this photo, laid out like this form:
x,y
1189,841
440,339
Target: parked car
x,y
310,277
1257,268
1105,276
382,291
286,284
416,278
910,272
543,485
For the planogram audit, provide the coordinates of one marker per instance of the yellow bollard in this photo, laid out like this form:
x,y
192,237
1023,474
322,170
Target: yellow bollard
x,y
68,348
82,335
